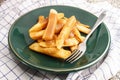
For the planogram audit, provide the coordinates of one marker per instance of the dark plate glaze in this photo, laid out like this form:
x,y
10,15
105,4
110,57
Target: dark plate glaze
x,y
19,40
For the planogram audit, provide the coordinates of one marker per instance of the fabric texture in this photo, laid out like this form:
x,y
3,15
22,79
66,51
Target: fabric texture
x,y
12,69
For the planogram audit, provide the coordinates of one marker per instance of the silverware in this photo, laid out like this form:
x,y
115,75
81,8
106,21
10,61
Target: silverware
x,y
78,53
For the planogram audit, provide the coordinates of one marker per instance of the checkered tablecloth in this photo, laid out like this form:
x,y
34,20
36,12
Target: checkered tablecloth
x,y
12,69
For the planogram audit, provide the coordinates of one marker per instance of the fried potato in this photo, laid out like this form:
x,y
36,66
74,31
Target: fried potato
x,y
72,48
60,15
71,42
82,28
52,51
36,35
64,34
65,18
57,35
71,35
41,19
82,38
47,44
39,25
77,34
50,43
81,24
60,24
52,22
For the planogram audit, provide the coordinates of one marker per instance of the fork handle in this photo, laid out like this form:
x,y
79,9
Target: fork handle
x,y
98,22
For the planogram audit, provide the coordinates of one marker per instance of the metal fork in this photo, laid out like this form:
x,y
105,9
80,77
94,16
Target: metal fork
x,y
78,53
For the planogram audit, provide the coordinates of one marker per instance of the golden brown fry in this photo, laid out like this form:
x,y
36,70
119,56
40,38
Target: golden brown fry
x,y
50,30
60,15
81,24
71,35
60,24
54,52
65,18
71,42
83,38
36,35
72,48
41,19
84,25
64,34
77,34
55,32
47,44
39,26
39,40
50,43
82,28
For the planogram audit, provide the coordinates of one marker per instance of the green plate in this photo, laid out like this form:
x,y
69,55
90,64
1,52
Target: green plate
x,y
19,40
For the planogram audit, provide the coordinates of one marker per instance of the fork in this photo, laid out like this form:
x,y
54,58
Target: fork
x,y
79,52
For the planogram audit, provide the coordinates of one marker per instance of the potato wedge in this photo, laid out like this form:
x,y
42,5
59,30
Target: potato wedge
x,y
82,28
72,48
53,51
64,34
60,15
39,25
81,24
52,22
57,35
70,42
60,24
47,44
36,35
77,34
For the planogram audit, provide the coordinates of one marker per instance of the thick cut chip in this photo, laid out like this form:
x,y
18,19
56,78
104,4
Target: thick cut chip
x,y
72,48
83,38
36,35
42,23
52,22
54,52
47,44
64,34
60,15
41,19
50,43
81,24
71,35
60,24
77,34
82,28
71,42
57,35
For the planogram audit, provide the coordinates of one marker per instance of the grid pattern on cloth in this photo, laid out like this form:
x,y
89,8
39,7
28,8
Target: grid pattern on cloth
x,y
12,69
111,65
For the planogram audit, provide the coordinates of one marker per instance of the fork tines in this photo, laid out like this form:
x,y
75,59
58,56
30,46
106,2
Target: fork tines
x,y
74,56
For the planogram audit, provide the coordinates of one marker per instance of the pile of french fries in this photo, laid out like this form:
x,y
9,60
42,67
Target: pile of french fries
x,y
57,35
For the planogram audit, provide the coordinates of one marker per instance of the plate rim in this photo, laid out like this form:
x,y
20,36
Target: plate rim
x,y
57,70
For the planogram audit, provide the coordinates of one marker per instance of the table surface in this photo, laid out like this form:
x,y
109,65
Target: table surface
x,y
115,3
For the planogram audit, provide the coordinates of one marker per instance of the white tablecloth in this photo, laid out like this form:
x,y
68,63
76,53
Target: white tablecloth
x,y
12,69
